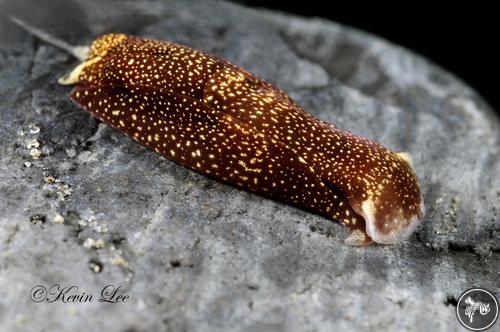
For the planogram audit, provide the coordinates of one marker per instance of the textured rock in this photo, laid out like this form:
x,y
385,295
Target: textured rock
x,y
80,204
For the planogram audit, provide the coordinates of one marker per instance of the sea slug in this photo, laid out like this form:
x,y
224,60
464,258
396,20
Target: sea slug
x,y
220,120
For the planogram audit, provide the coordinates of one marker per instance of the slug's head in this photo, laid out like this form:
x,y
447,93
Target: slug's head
x,y
389,199
89,68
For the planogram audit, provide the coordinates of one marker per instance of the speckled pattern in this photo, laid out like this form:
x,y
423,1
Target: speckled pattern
x,y
220,120
81,204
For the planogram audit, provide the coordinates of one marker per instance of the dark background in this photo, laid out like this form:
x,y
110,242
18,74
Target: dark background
x,y
463,37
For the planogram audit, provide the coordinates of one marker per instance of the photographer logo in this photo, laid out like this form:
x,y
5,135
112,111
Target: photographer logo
x,y
477,309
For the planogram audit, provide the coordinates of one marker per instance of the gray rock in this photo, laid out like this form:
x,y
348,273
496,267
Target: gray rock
x,y
80,204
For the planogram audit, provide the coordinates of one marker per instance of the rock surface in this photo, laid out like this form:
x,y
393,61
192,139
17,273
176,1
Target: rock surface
x,y
80,204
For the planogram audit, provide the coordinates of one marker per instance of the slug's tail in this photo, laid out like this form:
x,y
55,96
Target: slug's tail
x,y
79,52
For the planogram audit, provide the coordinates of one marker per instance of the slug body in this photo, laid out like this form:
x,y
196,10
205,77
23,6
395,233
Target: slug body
x,y
220,120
